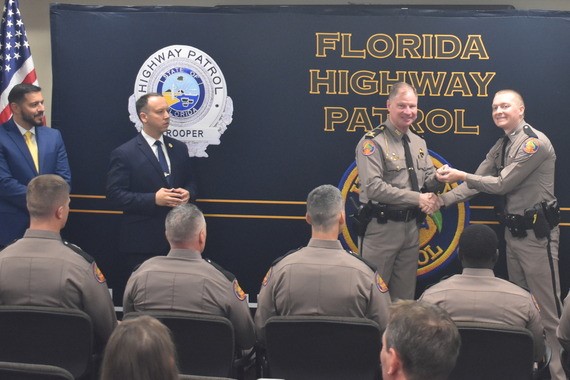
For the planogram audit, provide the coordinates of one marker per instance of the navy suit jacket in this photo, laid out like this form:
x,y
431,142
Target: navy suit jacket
x,y
133,178
17,169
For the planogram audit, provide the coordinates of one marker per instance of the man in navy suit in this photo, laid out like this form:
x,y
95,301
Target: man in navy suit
x,y
148,175
19,163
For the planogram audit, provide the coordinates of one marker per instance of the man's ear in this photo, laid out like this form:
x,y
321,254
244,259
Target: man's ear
x,y
393,362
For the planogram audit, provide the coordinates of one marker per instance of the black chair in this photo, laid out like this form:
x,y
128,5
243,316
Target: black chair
x,y
45,335
327,348
204,343
25,371
565,360
492,351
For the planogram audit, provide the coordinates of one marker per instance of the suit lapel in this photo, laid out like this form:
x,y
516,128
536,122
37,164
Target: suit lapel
x,y
20,143
149,154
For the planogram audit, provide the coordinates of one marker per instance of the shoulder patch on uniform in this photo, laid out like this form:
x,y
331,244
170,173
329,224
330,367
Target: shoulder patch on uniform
x,y
267,277
285,255
531,146
229,275
357,256
79,251
98,274
240,294
375,132
381,284
368,147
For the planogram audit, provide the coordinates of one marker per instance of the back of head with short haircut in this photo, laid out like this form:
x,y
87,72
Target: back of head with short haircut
x,y
140,349
478,245
184,223
425,338
45,194
324,205
19,91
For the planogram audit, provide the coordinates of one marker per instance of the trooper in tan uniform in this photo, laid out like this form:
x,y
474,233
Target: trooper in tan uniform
x,y
43,270
524,178
477,295
322,278
184,281
391,240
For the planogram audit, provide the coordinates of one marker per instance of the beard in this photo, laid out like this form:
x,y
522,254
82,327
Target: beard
x,y
32,119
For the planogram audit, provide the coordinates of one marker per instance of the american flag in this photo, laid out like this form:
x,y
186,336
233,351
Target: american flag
x,y
16,64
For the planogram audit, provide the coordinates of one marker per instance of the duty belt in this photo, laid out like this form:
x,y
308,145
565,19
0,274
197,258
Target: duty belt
x,y
399,215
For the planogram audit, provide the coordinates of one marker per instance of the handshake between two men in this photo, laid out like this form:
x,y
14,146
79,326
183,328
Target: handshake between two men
x,y
430,202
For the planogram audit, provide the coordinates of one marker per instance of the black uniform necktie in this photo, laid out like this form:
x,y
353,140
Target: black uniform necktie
x,y
410,164
162,161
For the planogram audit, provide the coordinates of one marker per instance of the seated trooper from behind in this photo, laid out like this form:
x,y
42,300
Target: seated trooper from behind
x,y
421,342
322,278
183,281
476,295
41,269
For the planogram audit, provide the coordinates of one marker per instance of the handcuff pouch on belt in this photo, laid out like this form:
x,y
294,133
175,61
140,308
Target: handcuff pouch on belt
x,y
541,218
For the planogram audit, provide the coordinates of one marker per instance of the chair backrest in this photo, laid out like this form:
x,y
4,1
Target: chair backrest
x,y
204,343
494,352
316,347
198,377
45,335
25,371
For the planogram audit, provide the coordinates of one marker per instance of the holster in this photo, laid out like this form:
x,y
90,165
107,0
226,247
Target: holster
x,y
363,217
536,219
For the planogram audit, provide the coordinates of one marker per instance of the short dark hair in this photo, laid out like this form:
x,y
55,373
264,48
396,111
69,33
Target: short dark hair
x,y
478,245
46,193
143,101
425,338
19,91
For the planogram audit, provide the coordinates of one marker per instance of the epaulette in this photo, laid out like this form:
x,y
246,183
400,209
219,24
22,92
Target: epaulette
x,y
529,132
79,251
416,133
285,255
229,275
368,263
375,132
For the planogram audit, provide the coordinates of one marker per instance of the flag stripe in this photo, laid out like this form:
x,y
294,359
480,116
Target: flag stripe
x,y
16,64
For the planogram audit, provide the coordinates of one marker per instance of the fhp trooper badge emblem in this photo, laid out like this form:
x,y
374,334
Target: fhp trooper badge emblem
x,y
195,89
439,234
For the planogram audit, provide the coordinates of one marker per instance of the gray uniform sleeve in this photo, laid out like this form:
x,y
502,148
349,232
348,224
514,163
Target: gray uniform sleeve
x,y
265,306
240,317
463,192
128,298
563,331
378,308
537,329
512,175
98,303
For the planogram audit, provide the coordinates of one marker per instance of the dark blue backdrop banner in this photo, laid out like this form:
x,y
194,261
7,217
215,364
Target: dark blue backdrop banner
x,y
275,100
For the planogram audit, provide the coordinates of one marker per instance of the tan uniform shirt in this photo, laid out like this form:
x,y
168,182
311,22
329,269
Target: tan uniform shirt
x,y
40,270
526,179
322,279
477,295
183,281
382,167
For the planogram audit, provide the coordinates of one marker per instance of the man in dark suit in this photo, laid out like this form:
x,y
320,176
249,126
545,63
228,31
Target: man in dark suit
x,y
27,149
148,175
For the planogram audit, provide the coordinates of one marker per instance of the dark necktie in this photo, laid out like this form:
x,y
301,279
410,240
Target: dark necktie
x,y
410,163
162,161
